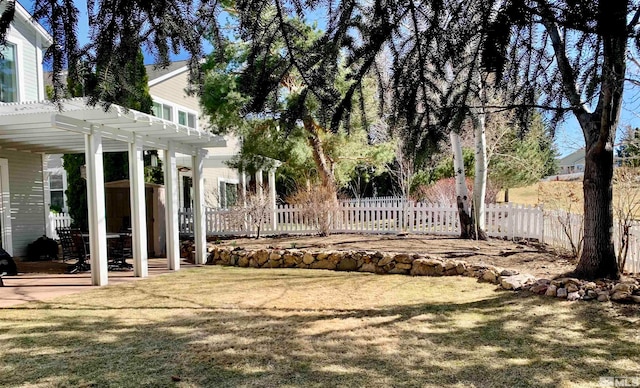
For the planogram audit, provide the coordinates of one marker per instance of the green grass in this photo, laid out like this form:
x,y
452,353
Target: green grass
x,y
220,326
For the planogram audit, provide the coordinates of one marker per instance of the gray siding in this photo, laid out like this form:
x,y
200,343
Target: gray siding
x,y
27,198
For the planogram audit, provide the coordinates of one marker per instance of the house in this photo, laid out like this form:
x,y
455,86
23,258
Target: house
x,y
171,102
31,128
21,79
223,185
572,163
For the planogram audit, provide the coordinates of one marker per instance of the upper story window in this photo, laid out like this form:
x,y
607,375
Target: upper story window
x,y
8,71
162,111
186,118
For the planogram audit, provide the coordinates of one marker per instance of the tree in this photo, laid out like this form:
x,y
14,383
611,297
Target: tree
x,y
259,93
580,64
629,150
520,157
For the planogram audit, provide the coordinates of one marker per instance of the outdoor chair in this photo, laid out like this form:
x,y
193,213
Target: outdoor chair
x,y
73,247
122,250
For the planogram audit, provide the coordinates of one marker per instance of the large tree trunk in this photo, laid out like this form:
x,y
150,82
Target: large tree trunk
x,y
462,193
599,129
598,258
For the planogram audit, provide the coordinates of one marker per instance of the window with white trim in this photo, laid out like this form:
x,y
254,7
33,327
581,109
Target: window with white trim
x,y
56,188
186,118
228,193
162,111
8,74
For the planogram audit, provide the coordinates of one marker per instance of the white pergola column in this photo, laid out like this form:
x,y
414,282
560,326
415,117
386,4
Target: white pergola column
x,y
259,183
96,209
138,209
272,198
243,186
171,187
199,225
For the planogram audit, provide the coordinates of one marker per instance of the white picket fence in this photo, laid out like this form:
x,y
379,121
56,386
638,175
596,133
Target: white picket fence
x,y
562,229
397,215
367,216
58,220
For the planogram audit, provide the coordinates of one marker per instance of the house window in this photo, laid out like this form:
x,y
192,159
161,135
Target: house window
x,y
8,79
188,119
56,188
228,194
162,111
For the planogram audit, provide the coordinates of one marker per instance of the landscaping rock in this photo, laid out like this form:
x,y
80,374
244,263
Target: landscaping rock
x,y
552,290
508,272
561,293
572,288
490,276
368,267
262,256
516,282
573,296
619,296
603,296
347,264
403,258
323,264
386,259
539,288
243,261
308,258
590,295
426,267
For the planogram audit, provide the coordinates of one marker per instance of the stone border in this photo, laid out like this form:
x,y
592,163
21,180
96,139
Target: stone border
x,y
627,291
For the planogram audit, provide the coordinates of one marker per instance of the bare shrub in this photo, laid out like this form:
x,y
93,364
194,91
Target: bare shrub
x,y
318,205
567,213
253,214
443,192
625,207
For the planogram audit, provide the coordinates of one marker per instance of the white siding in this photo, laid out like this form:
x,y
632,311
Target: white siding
x,y
24,37
27,198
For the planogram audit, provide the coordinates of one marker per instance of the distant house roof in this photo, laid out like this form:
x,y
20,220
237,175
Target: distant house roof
x,y
572,158
157,74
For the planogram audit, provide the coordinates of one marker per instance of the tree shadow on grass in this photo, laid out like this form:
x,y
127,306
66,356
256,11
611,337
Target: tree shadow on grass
x,y
500,340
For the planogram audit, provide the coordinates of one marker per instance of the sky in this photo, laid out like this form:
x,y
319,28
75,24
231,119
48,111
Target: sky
x,y
568,136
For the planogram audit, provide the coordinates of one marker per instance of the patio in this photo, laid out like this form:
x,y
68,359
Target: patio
x,y
40,287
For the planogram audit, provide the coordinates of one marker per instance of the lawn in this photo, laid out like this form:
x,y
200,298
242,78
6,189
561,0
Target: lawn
x,y
222,326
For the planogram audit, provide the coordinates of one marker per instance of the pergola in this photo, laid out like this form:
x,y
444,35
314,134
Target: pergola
x,y
75,127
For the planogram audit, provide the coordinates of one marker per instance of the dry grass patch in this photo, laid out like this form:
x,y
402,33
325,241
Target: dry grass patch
x,y
220,326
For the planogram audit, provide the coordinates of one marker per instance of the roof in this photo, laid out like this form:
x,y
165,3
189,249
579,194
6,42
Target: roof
x,y
157,74
42,127
26,17
572,158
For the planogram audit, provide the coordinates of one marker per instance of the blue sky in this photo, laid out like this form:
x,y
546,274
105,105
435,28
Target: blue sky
x,y
568,135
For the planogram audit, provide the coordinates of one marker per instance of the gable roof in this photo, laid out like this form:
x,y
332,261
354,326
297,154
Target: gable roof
x,y
157,75
24,15
572,158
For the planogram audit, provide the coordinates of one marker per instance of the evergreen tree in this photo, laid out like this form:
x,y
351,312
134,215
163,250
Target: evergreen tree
x,y
629,149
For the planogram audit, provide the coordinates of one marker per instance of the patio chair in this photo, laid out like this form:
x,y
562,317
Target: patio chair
x,y
73,247
122,250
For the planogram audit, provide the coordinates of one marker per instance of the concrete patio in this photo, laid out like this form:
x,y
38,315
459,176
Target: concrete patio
x,y
39,287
